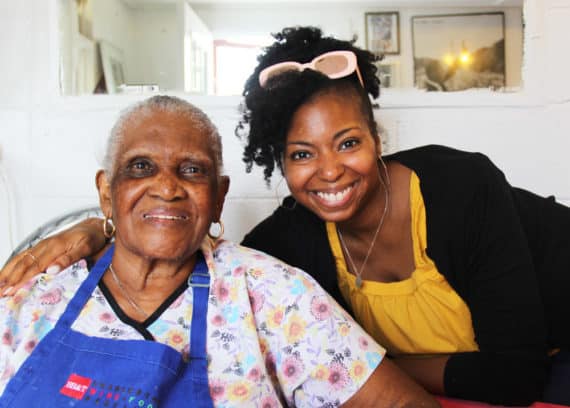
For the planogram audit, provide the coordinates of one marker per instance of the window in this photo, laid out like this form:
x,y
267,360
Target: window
x,y
233,62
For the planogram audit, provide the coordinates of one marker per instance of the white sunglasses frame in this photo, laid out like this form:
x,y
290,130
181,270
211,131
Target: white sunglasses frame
x,y
352,66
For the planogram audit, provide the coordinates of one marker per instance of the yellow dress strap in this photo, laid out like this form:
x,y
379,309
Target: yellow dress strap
x,y
418,315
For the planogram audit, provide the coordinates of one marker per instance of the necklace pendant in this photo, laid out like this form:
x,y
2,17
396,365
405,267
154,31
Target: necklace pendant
x,y
358,282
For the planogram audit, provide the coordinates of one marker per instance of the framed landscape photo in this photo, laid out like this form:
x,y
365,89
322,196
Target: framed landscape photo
x,y
459,51
383,32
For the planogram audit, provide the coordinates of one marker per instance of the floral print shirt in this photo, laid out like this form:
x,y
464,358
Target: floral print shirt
x,y
274,336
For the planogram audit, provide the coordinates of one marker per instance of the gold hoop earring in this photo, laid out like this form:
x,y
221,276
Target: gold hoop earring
x,y
108,228
220,232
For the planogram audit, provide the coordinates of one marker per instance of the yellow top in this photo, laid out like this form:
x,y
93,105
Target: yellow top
x,y
420,315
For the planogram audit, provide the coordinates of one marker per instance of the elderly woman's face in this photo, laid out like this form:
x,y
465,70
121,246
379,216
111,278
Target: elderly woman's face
x,y
165,191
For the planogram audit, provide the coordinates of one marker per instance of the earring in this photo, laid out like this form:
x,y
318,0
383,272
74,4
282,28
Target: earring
x,y
385,168
220,231
108,228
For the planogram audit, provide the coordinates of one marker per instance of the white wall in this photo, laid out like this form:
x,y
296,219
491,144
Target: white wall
x,y
159,47
50,143
113,23
149,37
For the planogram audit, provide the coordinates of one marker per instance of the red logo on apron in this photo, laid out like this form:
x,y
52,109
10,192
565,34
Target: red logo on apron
x,y
76,386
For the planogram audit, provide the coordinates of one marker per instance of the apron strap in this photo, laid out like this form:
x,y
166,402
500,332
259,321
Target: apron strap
x,y
199,281
84,292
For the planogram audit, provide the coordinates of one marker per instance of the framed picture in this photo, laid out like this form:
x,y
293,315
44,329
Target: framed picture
x,y
459,51
383,32
113,67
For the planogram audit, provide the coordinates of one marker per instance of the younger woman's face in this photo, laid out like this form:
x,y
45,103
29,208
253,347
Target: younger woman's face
x,y
330,157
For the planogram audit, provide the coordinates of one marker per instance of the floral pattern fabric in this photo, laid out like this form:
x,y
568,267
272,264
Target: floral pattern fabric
x,y
274,336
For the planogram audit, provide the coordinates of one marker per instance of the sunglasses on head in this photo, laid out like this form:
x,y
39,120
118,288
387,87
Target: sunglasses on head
x,y
334,64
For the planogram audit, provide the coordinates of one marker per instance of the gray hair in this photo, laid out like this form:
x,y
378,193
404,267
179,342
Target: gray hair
x,y
163,103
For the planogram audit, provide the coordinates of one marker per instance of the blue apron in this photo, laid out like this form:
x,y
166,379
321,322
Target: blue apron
x,y
70,369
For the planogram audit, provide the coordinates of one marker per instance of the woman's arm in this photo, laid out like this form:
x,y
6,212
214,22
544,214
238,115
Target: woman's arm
x,y
428,371
490,264
388,386
57,253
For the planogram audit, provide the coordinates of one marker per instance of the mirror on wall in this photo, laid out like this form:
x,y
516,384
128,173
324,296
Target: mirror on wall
x,y
210,47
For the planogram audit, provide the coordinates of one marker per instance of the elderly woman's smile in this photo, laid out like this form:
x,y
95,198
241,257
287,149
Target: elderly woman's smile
x,y
164,215
163,189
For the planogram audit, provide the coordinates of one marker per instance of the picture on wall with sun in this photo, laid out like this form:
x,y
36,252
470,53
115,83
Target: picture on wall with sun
x,y
459,51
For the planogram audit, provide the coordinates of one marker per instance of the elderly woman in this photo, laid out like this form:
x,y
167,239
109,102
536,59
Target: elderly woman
x,y
172,316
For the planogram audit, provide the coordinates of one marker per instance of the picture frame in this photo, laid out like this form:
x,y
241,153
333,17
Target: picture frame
x,y
112,59
454,52
382,32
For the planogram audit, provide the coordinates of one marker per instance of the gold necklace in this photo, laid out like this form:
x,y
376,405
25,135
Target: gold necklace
x,y
358,272
126,294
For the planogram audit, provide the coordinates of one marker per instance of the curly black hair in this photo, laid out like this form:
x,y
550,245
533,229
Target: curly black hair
x,y
267,112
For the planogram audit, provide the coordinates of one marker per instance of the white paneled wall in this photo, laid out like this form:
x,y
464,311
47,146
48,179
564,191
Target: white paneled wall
x,y
50,144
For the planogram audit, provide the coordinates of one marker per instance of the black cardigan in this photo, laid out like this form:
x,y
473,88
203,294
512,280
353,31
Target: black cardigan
x,y
504,250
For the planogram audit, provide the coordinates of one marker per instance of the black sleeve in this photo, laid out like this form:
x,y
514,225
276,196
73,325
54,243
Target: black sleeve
x,y
281,235
500,287
299,238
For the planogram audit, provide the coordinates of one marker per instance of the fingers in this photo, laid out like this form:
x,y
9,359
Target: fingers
x,y
52,254
32,256
55,266
20,269
30,263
